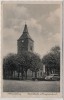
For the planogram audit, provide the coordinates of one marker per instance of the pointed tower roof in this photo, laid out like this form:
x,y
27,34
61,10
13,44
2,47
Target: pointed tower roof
x,y
25,29
25,33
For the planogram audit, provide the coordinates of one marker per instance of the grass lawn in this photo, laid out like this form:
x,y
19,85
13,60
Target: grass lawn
x,y
31,86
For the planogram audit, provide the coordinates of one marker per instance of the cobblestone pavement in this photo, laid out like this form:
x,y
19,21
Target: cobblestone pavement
x,y
31,86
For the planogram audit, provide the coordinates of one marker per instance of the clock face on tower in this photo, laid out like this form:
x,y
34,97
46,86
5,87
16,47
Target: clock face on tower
x,y
22,40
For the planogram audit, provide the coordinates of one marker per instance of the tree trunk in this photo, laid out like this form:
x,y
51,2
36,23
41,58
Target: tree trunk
x,y
32,73
26,74
14,73
35,74
11,74
22,73
4,74
18,75
47,72
8,74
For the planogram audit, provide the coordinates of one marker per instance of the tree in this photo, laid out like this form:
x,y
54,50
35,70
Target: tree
x,y
56,54
23,62
52,59
20,64
35,64
9,65
27,57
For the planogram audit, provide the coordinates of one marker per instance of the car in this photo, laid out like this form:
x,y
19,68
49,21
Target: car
x,y
52,77
38,78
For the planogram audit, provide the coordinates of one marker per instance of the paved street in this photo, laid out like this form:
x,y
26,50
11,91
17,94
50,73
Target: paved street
x,y
31,86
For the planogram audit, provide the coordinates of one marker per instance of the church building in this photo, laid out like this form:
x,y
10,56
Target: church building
x,y
26,43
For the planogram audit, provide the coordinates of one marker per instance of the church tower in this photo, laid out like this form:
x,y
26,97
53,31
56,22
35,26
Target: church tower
x,y
25,42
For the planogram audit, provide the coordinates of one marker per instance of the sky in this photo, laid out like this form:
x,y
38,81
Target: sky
x,y
43,21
